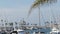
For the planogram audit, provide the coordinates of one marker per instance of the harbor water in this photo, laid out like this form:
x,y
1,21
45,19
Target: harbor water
x,y
36,31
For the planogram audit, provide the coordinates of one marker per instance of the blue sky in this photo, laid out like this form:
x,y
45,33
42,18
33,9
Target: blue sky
x,y
15,10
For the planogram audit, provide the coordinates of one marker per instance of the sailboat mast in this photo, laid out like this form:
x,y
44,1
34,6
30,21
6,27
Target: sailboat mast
x,y
39,15
53,16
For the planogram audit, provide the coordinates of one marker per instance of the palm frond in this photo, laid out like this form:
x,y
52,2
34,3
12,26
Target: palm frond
x,y
38,3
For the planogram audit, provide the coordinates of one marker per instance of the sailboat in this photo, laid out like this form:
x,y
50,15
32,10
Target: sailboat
x,y
55,31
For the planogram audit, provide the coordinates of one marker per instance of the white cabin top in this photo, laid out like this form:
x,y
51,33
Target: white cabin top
x,y
55,30
19,30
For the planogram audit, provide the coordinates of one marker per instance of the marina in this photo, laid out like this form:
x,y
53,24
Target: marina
x,y
40,31
22,17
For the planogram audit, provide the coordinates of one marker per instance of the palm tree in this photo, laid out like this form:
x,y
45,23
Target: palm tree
x,y
37,3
